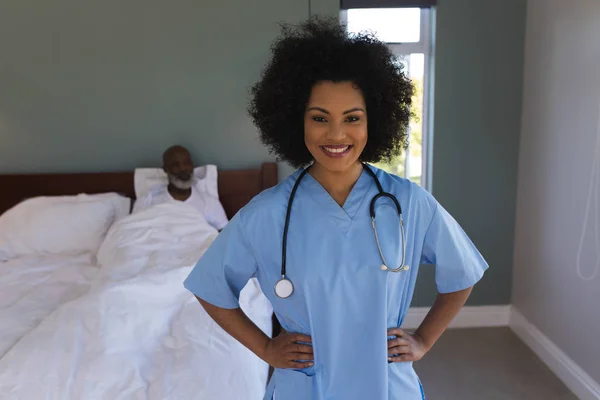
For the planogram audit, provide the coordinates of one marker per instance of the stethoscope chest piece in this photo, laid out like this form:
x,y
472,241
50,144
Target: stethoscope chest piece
x,y
284,288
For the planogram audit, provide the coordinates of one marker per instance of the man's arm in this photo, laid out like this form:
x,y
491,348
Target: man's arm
x,y
141,204
215,213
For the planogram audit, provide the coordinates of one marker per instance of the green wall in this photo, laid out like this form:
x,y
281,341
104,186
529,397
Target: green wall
x,y
478,90
108,85
105,86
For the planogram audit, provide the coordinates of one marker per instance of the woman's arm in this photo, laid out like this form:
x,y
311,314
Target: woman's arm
x,y
284,351
237,324
412,347
444,309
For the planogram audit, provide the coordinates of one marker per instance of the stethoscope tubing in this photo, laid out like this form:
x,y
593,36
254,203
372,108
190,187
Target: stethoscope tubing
x,y
284,282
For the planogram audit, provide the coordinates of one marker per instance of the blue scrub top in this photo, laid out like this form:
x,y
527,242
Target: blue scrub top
x,y
341,298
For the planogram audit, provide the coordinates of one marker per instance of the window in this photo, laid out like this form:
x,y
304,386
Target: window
x,y
408,33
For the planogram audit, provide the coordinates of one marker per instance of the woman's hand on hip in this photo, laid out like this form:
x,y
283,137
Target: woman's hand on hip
x,y
406,347
285,351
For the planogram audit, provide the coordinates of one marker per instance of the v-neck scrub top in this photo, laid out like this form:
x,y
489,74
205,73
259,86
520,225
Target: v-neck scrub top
x,y
341,298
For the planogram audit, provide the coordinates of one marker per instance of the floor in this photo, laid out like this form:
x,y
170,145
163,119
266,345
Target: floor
x,y
487,364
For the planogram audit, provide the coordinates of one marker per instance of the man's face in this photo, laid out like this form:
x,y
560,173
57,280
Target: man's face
x,y
180,169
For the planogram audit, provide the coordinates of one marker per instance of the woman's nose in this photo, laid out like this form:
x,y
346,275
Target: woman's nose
x,y
336,132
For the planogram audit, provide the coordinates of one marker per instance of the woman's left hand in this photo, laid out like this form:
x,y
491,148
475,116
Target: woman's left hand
x,y
405,347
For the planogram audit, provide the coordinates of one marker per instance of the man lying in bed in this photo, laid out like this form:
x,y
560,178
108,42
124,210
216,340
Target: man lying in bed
x,y
178,164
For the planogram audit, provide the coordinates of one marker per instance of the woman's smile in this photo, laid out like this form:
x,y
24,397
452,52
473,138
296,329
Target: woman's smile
x,y
336,151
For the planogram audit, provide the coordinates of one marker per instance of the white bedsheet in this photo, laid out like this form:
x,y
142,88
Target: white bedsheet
x,y
34,286
138,334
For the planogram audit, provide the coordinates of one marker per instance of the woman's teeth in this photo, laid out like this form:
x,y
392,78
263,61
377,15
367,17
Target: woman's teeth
x,y
336,149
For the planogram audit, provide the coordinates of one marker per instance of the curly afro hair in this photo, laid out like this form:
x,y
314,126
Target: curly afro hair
x,y
321,50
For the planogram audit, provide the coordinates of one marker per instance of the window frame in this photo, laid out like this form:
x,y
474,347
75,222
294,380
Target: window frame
x,y
424,46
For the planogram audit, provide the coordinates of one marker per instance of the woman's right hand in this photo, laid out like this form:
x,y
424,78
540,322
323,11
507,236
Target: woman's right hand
x,y
284,351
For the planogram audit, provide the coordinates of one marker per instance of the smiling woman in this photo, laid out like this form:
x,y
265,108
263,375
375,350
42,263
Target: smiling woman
x,y
328,104
308,59
335,132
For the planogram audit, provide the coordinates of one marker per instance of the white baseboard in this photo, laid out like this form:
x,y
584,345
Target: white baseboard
x,y
576,379
566,369
468,317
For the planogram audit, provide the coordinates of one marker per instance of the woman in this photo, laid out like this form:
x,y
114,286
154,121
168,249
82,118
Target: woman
x,y
331,103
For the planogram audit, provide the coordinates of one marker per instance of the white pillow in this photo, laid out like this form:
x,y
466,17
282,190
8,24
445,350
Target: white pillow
x,y
145,179
121,203
59,225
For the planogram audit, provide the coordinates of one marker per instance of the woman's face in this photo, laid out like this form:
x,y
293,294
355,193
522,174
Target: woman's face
x,y
335,125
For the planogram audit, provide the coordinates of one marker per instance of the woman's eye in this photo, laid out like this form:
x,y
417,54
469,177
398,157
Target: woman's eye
x,y
353,119
319,119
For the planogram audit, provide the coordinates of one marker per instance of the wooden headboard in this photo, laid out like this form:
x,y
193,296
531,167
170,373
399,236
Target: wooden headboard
x,y
236,187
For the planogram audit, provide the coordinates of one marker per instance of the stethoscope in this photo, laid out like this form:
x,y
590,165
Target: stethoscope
x,y
284,287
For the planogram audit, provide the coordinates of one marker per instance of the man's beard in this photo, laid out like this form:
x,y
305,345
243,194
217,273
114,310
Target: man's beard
x,y
180,183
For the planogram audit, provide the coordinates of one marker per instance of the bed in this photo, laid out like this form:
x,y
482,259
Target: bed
x,y
129,330
236,187
32,287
